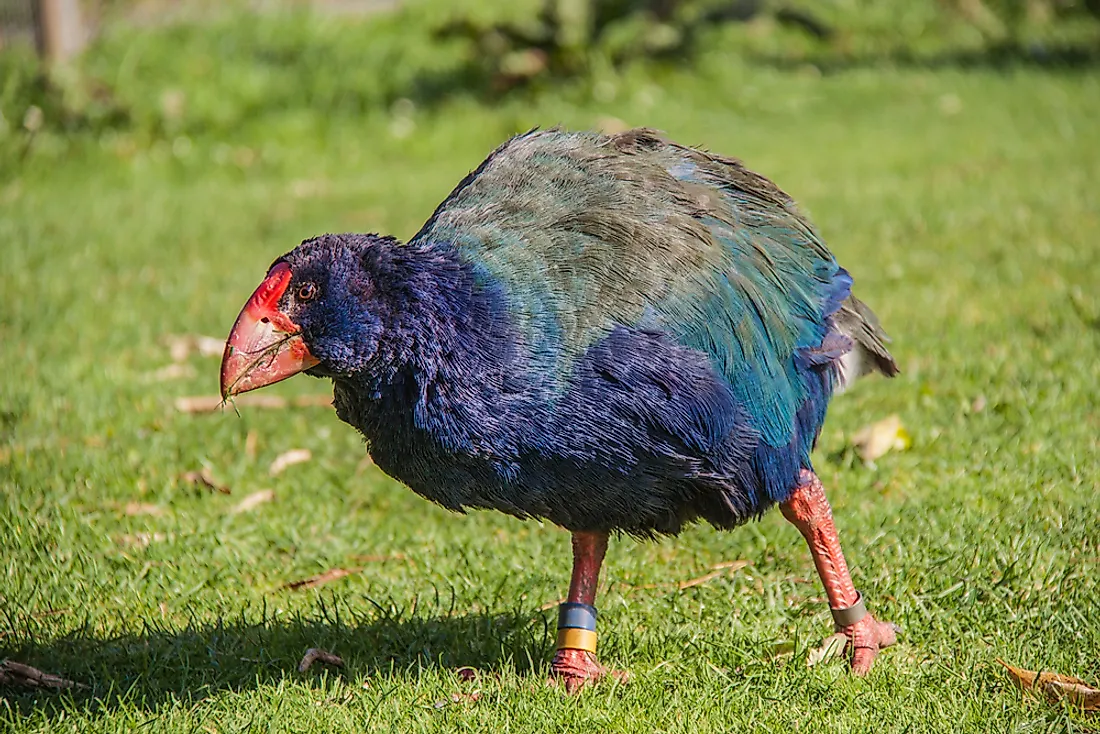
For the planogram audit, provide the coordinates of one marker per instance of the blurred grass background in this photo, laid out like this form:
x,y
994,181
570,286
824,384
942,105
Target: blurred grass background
x,y
950,163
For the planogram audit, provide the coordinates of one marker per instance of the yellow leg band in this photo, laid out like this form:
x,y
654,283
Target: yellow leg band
x,y
570,638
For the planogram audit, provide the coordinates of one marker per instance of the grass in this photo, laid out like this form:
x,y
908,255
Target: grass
x,y
962,200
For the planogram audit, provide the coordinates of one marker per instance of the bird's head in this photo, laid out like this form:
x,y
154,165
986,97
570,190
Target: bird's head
x,y
318,309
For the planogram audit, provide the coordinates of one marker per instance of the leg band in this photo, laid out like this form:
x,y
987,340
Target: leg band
x,y
577,616
570,638
577,627
850,615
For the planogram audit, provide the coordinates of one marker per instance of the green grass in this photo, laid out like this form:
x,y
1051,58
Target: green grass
x,y
965,204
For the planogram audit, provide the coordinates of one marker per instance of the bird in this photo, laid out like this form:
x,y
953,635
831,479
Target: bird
x,y
614,333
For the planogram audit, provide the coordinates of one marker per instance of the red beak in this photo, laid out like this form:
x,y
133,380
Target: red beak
x,y
265,346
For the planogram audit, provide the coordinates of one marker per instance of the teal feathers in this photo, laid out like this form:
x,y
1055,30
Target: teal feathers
x,y
585,232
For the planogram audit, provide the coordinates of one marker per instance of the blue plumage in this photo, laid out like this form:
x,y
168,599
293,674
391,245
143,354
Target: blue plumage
x,y
612,333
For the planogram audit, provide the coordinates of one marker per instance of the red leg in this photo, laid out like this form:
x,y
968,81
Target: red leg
x,y
578,667
809,511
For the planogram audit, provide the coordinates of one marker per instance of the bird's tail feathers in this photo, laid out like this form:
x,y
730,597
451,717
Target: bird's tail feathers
x,y
868,354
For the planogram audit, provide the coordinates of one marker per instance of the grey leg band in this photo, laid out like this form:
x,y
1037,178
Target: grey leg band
x,y
849,616
573,615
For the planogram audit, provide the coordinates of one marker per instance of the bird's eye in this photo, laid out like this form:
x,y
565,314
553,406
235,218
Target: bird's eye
x,y
307,291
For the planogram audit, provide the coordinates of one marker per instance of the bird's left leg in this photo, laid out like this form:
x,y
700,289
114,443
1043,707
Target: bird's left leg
x,y
575,661
809,511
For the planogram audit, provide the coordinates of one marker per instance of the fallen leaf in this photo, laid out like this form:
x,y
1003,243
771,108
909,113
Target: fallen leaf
x,y
317,655
204,478
466,673
875,440
142,508
13,673
289,458
1056,687
253,501
831,648
321,579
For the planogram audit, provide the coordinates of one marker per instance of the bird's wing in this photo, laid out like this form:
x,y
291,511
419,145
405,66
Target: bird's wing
x,y
586,232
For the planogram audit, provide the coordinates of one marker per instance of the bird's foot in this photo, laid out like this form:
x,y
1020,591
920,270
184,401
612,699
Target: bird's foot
x,y
577,668
865,638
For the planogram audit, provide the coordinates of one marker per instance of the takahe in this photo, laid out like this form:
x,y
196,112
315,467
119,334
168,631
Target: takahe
x,y
614,333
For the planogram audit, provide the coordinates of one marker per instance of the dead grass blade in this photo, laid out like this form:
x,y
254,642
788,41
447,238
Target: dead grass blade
x,y
321,579
718,569
18,674
140,540
212,403
204,478
317,655
180,346
289,459
143,508
254,500
174,371
1055,687
381,559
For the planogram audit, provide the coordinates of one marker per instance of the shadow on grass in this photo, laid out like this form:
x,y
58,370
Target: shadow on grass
x,y
161,665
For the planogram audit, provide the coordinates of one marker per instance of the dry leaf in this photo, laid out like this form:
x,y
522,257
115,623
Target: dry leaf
x,y
831,648
254,500
1056,687
876,439
317,655
204,478
13,673
289,458
142,508
322,578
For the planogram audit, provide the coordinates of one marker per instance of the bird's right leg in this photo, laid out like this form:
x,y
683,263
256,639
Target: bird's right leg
x,y
809,511
575,661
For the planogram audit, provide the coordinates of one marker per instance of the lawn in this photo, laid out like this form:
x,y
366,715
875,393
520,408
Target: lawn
x,y
962,197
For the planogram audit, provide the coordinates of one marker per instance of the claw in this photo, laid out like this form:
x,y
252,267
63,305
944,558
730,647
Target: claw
x,y
576,669
865,638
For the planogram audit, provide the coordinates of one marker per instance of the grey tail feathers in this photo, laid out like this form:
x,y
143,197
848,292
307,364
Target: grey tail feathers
x,y
869,354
